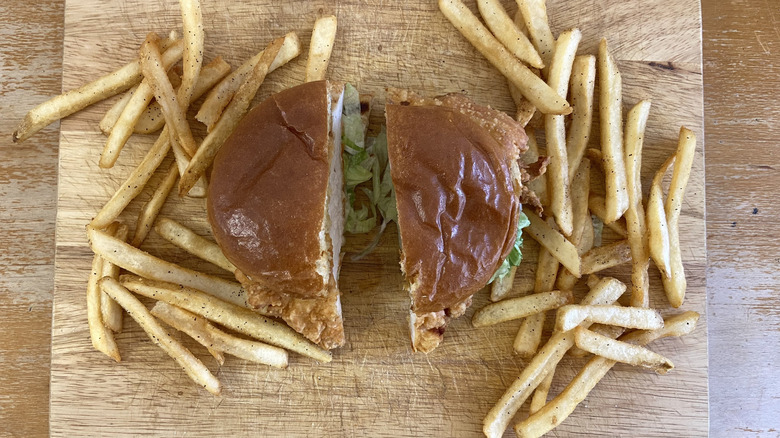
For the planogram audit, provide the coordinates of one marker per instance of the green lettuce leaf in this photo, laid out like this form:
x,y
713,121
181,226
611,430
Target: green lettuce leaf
x,y
516,255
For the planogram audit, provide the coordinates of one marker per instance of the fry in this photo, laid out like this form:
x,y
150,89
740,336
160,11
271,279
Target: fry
x,y
555,131
141,263
657,225
604,292
562,249
182,162
498,418
503,285
534,13
583,82
538,185
110,310
611,111
620,351
676,284
506,31
605,257
204,332
191,364
175,115
192,60
533,88
598,206
530,334
636,227
539,398
322,38
558,409
226,314
123,128
152,120
227,123
516,308
580,190
152,207
194,244
220,96
112,115
525,109
102,337
572,315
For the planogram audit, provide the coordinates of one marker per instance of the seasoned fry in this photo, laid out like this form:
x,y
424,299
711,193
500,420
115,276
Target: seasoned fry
x,y
539,185
226,314
123,128
516,308
555,412
572,315
233,114
603,292
323,37
605,257
141,263
636,227
191,364
525,109
580,190
620,351
598,206
192,60
583,82
533,88
112,115
498,418
530,334
534,13
555,131
676,284
152,208
506,31
539,398
110,310
205,333
102,337
520,23
194,244
503,285
182,162
657,225
611,111
220,96
562,249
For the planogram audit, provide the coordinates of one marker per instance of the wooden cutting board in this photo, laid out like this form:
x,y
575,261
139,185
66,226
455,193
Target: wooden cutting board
x,y
375,385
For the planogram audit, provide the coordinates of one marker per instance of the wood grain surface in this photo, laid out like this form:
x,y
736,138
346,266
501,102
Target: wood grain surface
x,y
740,53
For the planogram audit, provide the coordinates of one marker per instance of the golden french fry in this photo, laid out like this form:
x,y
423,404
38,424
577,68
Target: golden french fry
x,y
583,82
194,244
498,418
205,333
676,284
533,88
610,331
619,351
520,23
562,249
603,292
657,225
227,123
525,109
530,334
226,314
538,185
183,160
598,206
534,13
558,409
124,126
572,315
611,111
580,191
323,36
191,364
605,257
112,115
142,263
555,132
152,120
175,114
539,398
152,207
506,31
192,25
102,337
220,96
503,285
516,308
110,310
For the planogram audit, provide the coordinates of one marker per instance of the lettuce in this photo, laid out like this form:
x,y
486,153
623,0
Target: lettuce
x,y
515,256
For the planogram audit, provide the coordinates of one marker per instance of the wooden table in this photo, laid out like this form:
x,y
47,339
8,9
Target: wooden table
x,y
741,44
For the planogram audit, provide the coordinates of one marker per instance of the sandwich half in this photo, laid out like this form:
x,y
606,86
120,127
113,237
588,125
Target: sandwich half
x,y
276,207
454,166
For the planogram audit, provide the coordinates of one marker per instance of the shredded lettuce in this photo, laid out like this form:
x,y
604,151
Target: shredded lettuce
x,y
516,255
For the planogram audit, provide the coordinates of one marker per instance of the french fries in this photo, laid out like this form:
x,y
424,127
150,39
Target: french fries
x,y
102,337
583,82
534,13
605,257
229,120
555,131
580,191
112,115
219,97
619,351
110,310
562,249
192,60
558,409
506,31
611,111
194,244
530,334
229,315
205,333
323,37
525,109
531,86
152,208
516,308
539,399
598,206
572,315
191,364
657,225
